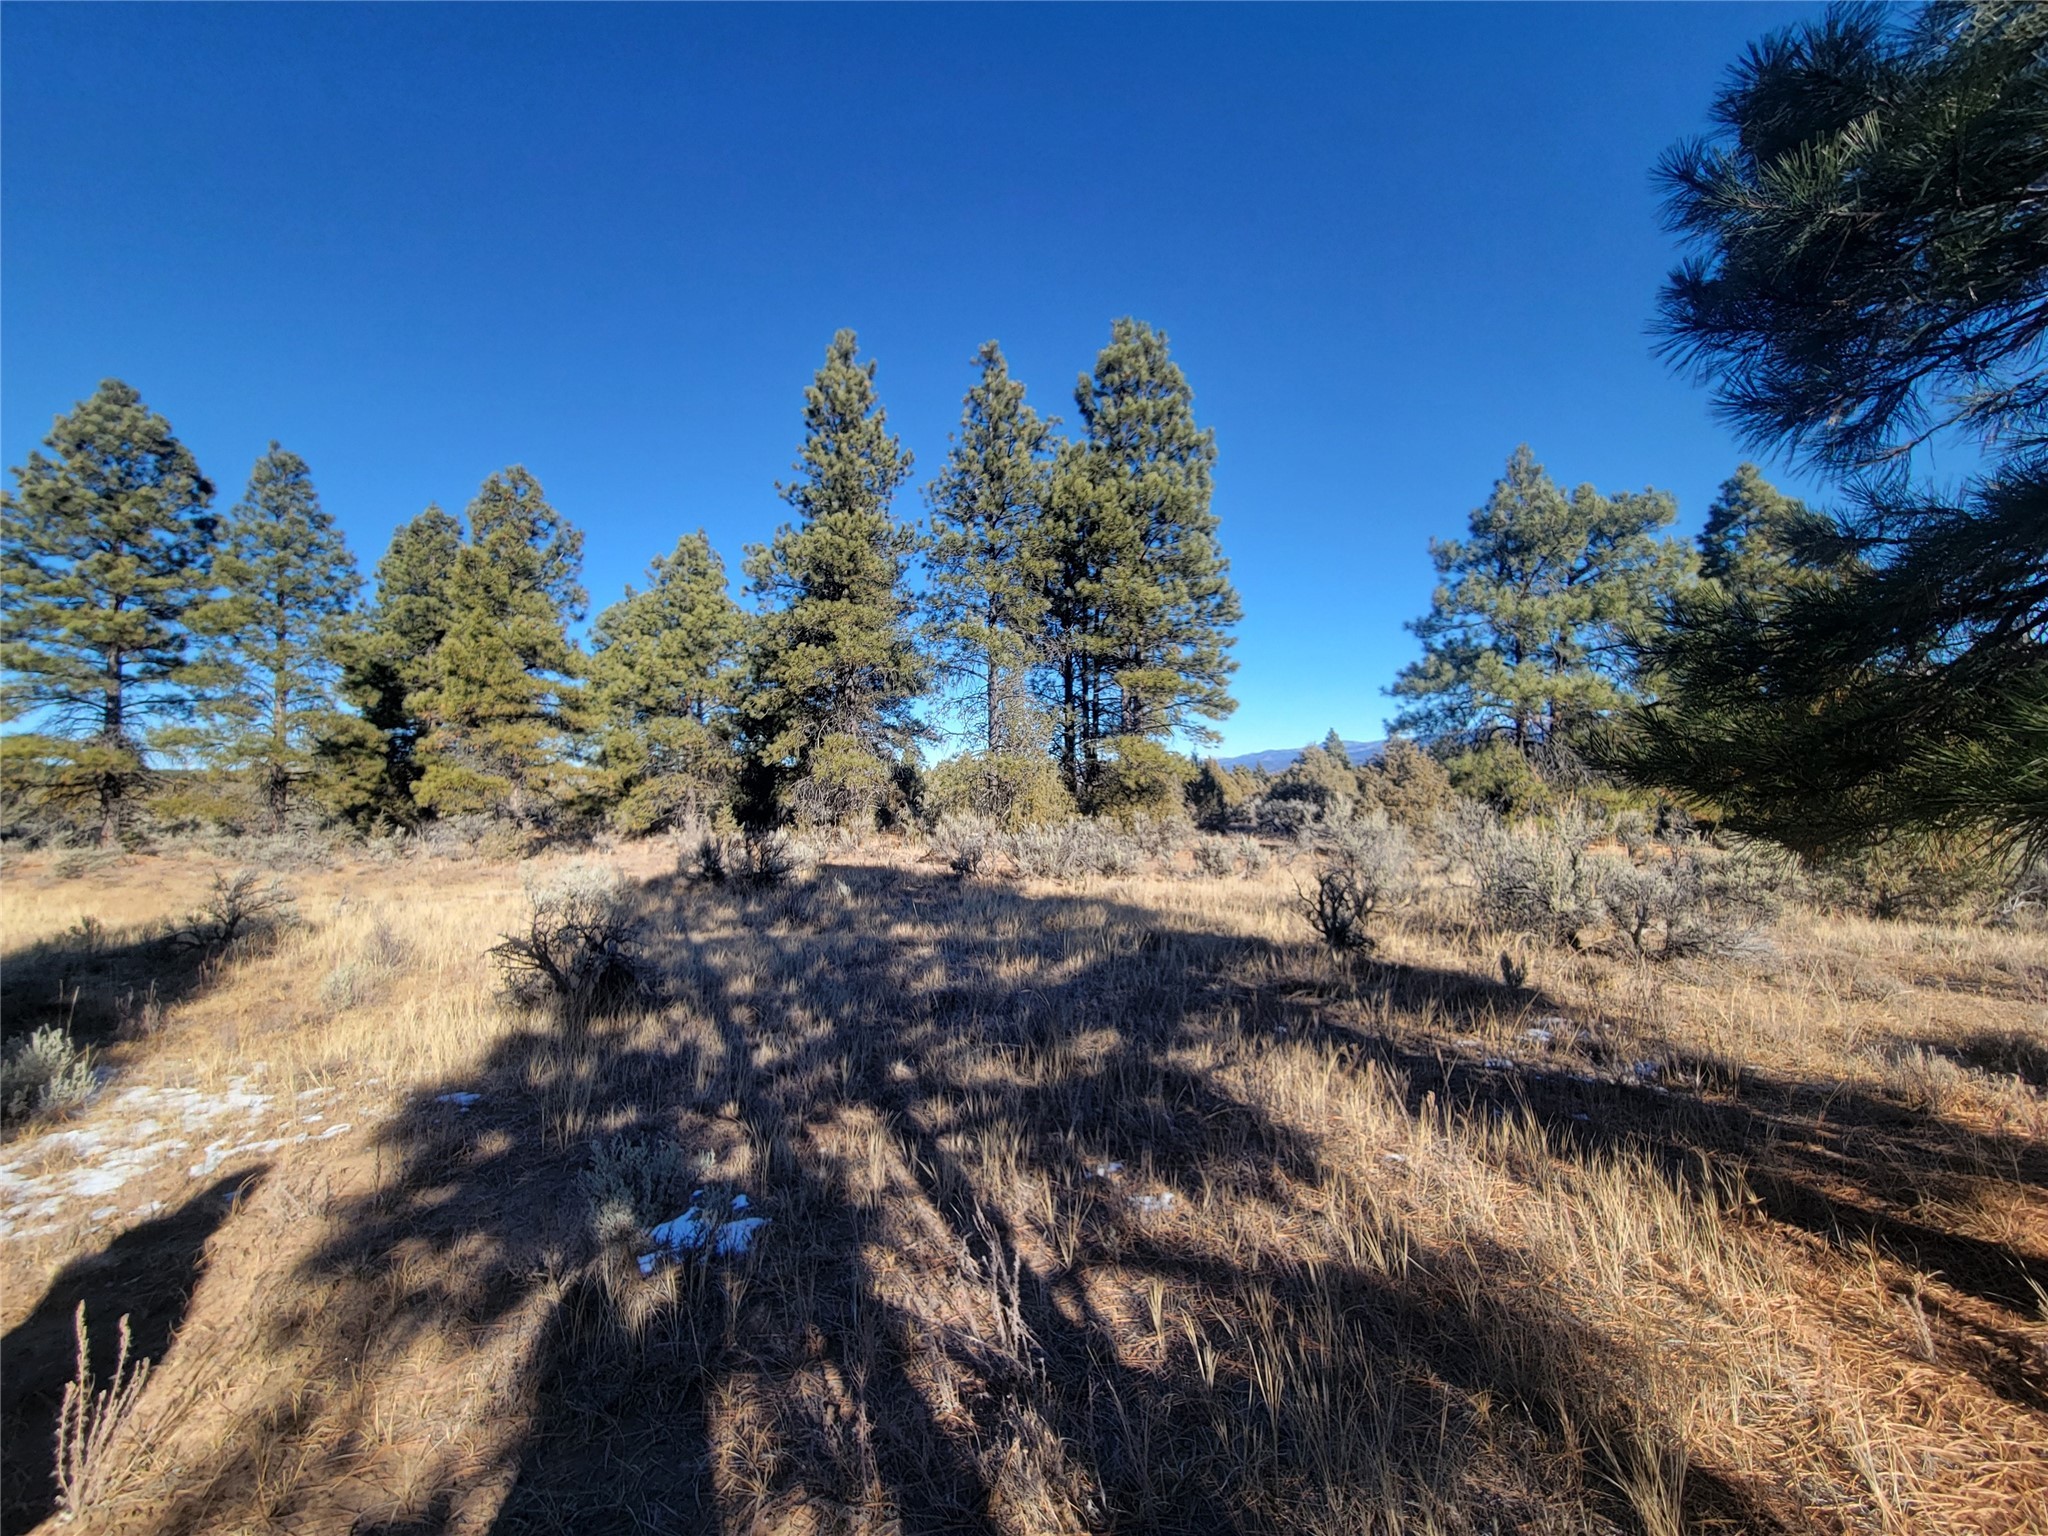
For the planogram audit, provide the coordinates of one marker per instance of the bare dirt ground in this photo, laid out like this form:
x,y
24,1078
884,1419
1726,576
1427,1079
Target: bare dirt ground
x,y
1117,1206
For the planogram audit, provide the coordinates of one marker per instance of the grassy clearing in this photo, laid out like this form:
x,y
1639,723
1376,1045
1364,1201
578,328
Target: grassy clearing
x,y
1120,1204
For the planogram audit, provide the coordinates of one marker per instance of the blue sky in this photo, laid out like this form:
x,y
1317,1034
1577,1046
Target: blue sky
x,y
419,243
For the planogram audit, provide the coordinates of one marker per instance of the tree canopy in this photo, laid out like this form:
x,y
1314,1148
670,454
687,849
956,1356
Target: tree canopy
x,y
1869,273
1524,637
106,546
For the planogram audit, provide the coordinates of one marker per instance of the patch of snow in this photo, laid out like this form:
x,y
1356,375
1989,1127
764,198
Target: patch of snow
x,y
1648,1071
459,1100
1499,1063
1153,1204
725,1233
1395,1157
1105,1170
333,1131
1536,1036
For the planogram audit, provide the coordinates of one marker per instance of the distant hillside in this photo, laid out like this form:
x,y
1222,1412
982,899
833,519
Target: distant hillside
x,y
1276,759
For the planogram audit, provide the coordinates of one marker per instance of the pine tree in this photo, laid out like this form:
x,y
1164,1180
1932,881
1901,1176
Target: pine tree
x,y
1333,746
1758,540
986,593
1140,601
662,673
834,669
501,701
269,666
1869,274
105,547
1524,637
388,655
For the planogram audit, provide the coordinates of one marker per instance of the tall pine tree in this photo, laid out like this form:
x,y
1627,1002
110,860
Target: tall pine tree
x,y
834,669
986,564
388,656
105,547
269,666
1869,274
662,673
1140,602
1524,640
1758,540
501,702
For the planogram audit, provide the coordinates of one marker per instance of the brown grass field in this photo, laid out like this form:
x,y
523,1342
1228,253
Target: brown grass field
x,y
1119,1206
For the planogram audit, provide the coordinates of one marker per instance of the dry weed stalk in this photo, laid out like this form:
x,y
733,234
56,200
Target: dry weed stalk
x,y
88,1421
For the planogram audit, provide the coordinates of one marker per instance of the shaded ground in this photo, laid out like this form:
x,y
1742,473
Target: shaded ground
x,y
1075,1224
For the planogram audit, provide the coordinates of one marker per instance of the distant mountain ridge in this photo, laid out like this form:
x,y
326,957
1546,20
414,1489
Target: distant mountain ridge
x,y
1278,759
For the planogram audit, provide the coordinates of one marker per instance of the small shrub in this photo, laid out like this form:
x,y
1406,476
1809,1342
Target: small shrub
x,y
969,845
646,1179
358,978
1539,880
1161,837
1253,859
1687,902
769,860
711,862
576,955
1216,858
1282,818
242,905
1361,871
1046,853
44,1074
1014,790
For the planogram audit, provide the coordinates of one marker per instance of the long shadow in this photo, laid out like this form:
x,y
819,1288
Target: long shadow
x,y
147,1274
729,1394
99,987
1825,1158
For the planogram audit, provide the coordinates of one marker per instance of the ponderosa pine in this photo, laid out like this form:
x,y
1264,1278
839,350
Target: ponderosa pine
x,y
1140,603
1870,275
834,670
105,549
269,665
1524,640
662,672
501,700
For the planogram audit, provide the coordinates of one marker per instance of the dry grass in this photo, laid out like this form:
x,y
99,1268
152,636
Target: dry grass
x,y
1114,1206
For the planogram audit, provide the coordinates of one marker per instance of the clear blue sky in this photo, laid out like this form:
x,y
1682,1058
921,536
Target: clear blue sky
x,y
416,244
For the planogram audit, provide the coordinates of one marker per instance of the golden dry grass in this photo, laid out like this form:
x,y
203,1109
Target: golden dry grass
x,y
1112,1207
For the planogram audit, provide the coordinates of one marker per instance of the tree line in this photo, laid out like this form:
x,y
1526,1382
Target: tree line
x,y
1074,616
1866,277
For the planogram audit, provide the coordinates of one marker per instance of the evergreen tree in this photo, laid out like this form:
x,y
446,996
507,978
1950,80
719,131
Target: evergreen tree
x,y
1523,640
1334,748
986,594
1869,275
388,656
1140,602
834,668
1757,539
105,546
662,678
501,703
269,666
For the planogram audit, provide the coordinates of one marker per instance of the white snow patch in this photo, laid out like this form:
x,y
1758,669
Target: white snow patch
x,y
726,1233
1105,1170
459,1100
1153,1204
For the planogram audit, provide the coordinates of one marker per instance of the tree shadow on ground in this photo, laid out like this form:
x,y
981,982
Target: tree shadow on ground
x,y
892,1063
147,1275
101,986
